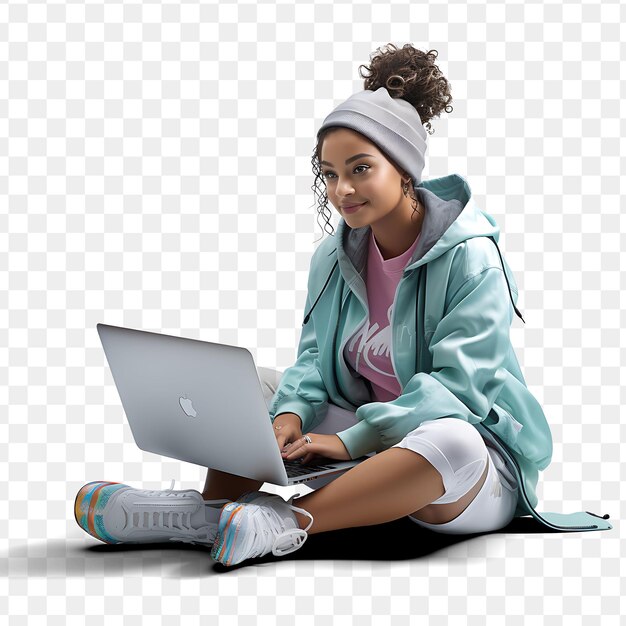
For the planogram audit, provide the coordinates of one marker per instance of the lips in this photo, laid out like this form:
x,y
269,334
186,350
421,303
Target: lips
x,y
354,207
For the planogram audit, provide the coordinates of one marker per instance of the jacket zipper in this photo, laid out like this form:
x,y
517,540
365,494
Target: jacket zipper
x,y
340,355
391,334
393,316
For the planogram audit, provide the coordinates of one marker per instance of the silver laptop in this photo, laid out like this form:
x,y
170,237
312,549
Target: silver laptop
x,y
202,402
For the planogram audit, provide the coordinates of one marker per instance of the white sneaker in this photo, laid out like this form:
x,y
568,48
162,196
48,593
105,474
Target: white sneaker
x,y
117,513
256,524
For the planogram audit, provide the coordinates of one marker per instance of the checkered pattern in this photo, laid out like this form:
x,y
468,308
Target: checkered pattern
x,y
155,173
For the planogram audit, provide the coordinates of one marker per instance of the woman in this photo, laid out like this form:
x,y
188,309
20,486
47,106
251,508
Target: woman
x,y
407,325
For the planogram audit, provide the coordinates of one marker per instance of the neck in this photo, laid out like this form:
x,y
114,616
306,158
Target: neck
x,y
395,239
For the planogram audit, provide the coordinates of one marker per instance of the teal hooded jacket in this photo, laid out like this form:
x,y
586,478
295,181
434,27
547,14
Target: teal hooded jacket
x,y
451,349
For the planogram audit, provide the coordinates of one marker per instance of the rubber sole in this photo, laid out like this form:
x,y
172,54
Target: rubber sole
x,y
89,505
227,532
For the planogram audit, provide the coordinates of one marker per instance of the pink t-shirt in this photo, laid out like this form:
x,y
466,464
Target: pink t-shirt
x,y
369,349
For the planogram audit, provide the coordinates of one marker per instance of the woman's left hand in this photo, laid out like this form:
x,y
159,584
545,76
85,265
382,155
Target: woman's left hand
x,y
327,446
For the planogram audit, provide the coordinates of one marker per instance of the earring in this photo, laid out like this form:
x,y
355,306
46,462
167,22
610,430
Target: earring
x,y
405,189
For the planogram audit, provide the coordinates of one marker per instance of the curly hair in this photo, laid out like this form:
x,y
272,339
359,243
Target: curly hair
x,y
406,73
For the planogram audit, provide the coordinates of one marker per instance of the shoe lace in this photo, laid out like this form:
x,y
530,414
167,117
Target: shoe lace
x,y
289,538
170,519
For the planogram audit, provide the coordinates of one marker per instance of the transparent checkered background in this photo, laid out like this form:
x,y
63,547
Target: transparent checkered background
x,y
155,173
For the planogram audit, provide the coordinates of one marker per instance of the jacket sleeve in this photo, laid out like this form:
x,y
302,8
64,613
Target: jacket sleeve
x,y
469,348
301,389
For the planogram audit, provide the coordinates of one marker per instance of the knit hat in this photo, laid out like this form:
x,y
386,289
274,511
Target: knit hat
x,y
393,124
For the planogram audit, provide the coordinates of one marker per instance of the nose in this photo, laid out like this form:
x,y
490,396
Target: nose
x,y
344,190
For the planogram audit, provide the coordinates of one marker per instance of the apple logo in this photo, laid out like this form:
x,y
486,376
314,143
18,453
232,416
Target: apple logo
x,y
187,406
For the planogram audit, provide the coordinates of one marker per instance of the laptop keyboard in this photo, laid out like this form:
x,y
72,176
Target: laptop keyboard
x,y
295,468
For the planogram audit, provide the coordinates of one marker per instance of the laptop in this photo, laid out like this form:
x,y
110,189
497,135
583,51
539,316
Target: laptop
x,y
203,403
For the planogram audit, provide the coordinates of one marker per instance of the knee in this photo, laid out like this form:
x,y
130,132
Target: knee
x,y
457,451
456,439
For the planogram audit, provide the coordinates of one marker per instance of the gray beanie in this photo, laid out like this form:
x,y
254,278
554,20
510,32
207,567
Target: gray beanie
x,y
393,124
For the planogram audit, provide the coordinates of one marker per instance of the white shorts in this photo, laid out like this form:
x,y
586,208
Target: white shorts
x,y
457,451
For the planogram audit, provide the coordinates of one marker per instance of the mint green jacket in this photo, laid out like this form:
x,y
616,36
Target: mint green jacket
x,y
451,349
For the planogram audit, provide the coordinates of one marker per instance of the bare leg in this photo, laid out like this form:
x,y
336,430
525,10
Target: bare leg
x,y
386,487
220,485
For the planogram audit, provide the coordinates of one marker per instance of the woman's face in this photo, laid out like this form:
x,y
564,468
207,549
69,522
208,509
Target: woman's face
x,y
372,180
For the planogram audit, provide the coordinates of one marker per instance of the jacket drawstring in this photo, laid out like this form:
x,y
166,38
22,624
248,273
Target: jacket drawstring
x,y
507,280
306,319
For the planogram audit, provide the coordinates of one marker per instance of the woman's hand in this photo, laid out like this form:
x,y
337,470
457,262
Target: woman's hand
x,y
290,429
327,446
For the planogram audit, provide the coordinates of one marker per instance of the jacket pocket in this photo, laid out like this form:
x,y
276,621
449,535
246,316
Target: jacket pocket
x,y
505,426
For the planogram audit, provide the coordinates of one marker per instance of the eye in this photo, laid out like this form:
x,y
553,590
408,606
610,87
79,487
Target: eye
x,y
325,174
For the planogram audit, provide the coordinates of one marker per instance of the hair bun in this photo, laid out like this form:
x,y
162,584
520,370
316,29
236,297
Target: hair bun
x,y
410,74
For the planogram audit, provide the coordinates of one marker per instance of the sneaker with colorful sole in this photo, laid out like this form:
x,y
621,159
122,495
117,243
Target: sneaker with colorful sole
x,y
257,524
117,513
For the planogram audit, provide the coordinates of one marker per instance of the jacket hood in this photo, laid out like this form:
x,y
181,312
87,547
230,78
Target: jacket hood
x,y
451,216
